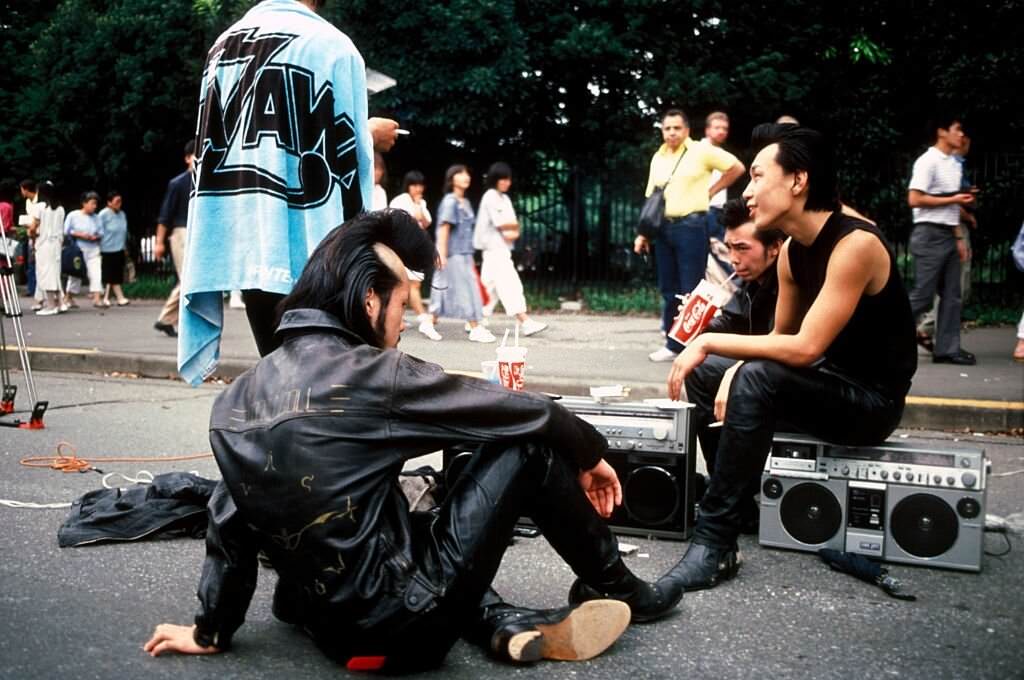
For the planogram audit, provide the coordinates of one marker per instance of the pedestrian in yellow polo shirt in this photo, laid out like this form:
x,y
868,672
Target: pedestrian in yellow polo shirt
x,y
681,247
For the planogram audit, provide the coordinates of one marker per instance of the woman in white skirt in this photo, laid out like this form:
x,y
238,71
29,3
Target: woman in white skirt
x,y
497,228
47,229
84,226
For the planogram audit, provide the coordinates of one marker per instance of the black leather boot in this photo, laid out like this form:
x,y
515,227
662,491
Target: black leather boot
x,y
521,635
647,601
702,567
287,605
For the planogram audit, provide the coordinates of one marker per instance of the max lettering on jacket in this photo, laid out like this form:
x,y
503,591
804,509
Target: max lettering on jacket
x,y
293,401
256,105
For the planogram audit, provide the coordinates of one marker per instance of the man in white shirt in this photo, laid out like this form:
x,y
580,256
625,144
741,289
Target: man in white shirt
x,y
716,131
937,243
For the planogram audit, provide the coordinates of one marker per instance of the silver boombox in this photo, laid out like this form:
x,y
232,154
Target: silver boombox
x,y
899,502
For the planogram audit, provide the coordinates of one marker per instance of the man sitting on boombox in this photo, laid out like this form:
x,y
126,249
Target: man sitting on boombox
x,y
838,363
753,254
310,443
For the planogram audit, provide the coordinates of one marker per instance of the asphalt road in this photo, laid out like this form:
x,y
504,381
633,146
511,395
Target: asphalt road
x,y
84,612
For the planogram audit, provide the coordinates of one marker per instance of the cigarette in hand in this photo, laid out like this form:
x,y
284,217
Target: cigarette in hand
x,y
400,131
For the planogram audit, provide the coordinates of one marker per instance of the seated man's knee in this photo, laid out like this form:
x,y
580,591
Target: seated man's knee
x,y
757,378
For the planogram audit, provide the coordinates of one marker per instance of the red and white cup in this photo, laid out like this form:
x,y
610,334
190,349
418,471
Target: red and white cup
x,y
512,367
697,310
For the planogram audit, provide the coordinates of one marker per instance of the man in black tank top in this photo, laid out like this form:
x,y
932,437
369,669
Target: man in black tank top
x,y
837,365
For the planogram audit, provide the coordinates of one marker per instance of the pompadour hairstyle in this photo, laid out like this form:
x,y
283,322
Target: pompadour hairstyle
x,y
735,214
802,148
345,267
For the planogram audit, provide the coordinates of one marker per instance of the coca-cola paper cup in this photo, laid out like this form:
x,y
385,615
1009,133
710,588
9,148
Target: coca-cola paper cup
x,y
512,367
697,311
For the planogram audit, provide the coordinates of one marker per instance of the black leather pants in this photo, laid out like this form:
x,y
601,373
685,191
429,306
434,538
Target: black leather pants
x,y
459,551
817,401
705,381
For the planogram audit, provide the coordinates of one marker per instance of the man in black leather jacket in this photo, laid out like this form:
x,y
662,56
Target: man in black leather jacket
x,y
750,311
310,443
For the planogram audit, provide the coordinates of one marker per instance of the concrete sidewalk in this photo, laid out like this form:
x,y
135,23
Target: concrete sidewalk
x,y
576,352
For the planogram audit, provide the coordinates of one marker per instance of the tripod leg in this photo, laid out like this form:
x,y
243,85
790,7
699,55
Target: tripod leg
x,y
9,388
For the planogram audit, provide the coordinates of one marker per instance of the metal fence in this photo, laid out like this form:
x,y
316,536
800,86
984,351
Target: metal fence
x,y
578,228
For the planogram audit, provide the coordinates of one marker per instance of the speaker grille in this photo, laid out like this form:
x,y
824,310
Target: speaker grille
x,y
924,525
810,513
651,495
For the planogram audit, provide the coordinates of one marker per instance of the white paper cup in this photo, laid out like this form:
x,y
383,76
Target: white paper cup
x,y
490,371
697,310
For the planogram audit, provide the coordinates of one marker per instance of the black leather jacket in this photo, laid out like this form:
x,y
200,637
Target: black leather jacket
x,y
310,442
751,310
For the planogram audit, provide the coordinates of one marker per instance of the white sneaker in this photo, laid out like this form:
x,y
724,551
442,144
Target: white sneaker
x,y
427,328
48,311
481,334
663,354
63,307
530,327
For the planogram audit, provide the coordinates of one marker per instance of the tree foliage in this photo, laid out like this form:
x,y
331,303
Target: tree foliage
x,y
104,91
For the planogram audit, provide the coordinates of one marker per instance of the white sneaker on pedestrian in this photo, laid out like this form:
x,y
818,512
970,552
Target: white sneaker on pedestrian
x,y
63,307
481,334
530,327
427,328
663,354
47,311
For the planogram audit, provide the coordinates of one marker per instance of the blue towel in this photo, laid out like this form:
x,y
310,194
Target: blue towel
x,y
283,155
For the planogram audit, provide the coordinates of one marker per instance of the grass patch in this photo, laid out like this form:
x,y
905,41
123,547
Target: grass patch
x,y
150,287
990,315
598,299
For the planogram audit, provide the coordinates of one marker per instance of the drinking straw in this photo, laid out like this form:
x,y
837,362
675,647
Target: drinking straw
x,y
517,334
504,338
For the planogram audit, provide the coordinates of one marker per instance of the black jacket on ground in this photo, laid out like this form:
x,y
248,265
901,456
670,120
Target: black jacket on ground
x,y
310,443
174,504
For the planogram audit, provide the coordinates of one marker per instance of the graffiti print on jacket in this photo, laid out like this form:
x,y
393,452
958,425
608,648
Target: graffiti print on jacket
x,y
254,108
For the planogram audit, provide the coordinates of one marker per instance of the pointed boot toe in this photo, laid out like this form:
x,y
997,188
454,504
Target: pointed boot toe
x,y
647,601
702,567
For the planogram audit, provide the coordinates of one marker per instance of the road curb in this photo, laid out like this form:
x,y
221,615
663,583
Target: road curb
x,y
920,412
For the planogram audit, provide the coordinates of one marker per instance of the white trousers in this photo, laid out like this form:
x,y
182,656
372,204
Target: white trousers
x,y
93,267
499,274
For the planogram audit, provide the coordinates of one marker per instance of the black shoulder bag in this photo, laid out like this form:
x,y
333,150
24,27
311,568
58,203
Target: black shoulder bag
x,y
653,210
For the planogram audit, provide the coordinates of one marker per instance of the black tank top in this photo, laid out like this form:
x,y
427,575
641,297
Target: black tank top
x,y
877,345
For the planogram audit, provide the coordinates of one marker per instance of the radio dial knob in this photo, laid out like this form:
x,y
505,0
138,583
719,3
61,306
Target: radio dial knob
x,y
969,479
630,444
937,479
884,474
910,476
846,470
896,475
660,433
951,480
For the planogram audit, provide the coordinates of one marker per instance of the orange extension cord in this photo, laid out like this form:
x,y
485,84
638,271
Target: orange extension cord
x,y
69,462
